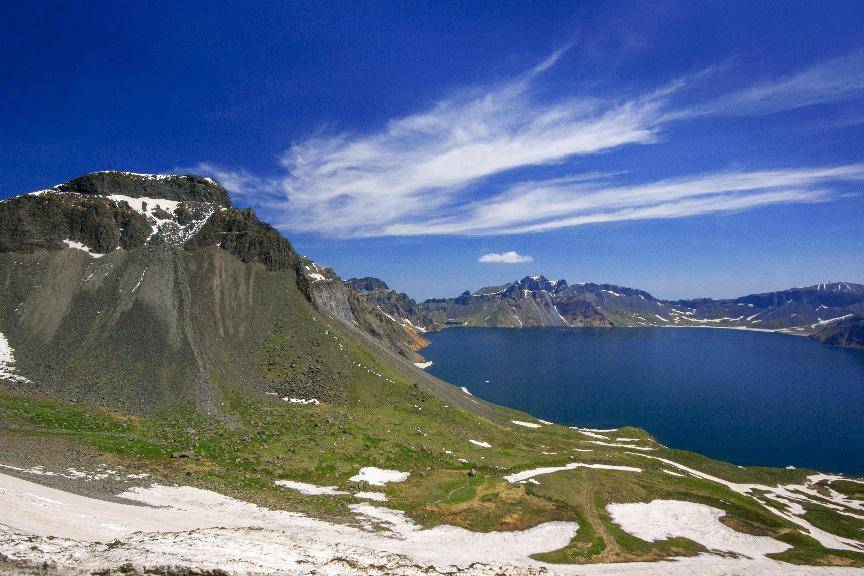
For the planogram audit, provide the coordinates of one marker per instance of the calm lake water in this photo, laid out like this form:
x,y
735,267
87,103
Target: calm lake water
x,y
744,397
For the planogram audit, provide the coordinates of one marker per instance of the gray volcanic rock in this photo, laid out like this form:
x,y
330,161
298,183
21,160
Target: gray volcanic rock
x,y
369,304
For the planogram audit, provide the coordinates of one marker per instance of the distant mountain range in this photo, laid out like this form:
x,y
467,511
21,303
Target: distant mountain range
x,y
535,301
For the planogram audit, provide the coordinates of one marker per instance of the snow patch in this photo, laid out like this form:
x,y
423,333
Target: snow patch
x,y
590,433
309,489
423,365
312,401
379,477
377,496
480,443
801,493
79,246
189,527
663,519
617,445
526,424
830,320
526,474
147,207
7,362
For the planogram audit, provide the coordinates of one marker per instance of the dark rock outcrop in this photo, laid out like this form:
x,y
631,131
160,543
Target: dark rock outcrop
x,y
846,333
169,187
367,284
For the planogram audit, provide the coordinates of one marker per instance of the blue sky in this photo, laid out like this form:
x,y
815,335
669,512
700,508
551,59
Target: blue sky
x,y
688,149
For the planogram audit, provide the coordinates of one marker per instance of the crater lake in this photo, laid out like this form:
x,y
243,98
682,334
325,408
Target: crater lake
x,y
745,397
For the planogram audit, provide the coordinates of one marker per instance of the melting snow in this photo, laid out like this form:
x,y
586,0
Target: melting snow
x,y
590,433
614,445
526,424
805,493
663,519
378,477
423,365
184,526
830,320
7,362
301,401
139,281
79,246
309,489
188,527
377,496
526,474
147,207
481,444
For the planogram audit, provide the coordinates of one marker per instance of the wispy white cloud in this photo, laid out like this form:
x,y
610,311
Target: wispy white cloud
x,y
429,172
566,202
836,79
242,184
510,257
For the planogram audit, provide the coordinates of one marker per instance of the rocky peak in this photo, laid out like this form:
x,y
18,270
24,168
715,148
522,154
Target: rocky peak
x,y
188,188
535,283
367,284
464,298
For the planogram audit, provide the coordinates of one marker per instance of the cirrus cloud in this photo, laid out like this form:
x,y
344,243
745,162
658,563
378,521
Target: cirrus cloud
x,y
459,166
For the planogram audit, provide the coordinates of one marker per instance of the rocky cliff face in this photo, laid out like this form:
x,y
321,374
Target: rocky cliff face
x,y
370,305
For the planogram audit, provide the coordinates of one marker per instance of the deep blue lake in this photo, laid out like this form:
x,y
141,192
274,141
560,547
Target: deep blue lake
x,y
744,397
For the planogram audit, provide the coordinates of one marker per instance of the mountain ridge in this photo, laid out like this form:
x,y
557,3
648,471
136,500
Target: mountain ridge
x,y
535,301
